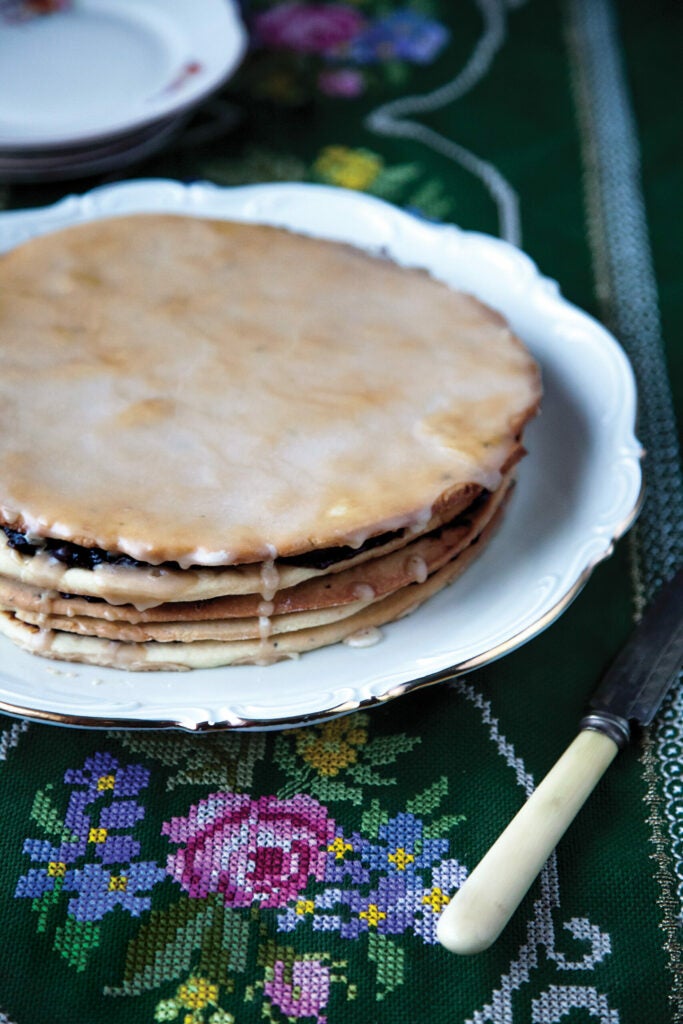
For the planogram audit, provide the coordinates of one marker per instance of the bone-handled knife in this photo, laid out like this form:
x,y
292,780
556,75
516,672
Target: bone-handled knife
x,y
631,692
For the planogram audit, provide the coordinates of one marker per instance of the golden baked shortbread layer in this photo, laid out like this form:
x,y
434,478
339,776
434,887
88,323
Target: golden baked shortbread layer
x,y
223,443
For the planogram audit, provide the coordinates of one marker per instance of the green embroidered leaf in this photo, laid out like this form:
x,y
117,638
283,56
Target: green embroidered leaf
x,y
236,932
428,801
372,819
223,761
224,945
367,776
48,817
424,7
385,749
75,940
439,828
396,72
257,165
329,789
390,961
284,754
165,947
392,179
431,201
42,904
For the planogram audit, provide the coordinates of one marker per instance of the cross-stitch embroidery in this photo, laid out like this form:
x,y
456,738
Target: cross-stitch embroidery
x,y
91,859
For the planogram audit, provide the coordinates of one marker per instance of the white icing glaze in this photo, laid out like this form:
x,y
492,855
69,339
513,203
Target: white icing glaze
x,y
209,393
270,580
364,637
417,568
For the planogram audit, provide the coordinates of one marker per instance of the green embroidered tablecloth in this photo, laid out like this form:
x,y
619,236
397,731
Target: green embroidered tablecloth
x,y
556,126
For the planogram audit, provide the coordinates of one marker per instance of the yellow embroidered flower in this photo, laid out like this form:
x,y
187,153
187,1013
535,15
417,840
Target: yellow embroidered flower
x,y
349,168
436,899
339,847
373,915
401,858
56,869
332,746
196,993
97,835
118,883
304,907
106,782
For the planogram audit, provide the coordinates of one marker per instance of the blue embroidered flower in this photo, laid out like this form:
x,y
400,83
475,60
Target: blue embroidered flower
x,y
403,847
100,890
35,883
97,827
403,35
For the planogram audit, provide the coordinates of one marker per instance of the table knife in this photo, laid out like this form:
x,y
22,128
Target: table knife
x,y
630,693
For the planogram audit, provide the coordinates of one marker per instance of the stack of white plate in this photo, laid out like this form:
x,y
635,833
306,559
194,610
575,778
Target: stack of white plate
x,y
99,84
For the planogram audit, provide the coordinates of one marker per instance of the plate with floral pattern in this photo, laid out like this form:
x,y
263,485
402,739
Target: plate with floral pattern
x,y
578,488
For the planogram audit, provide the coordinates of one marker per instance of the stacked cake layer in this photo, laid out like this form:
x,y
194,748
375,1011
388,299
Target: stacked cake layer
x,y
226,443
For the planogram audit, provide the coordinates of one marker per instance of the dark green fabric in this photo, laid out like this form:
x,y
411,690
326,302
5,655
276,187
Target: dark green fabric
x,y
437,774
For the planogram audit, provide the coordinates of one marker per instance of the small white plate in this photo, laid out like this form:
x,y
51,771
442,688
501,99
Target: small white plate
x,y
578,490
104,67
106,155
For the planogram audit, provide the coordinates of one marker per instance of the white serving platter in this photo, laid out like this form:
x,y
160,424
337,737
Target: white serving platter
x,y
578,488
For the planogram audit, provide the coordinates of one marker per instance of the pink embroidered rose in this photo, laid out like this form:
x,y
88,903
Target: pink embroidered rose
x,y
308,28
306,994
261,850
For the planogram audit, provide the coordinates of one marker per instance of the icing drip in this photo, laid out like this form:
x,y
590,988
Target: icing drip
x,y
270,581
364,592
364,637
45,638
417,567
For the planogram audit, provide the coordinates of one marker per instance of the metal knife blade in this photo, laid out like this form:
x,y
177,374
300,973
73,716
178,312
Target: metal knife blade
x,y
639,678
632,690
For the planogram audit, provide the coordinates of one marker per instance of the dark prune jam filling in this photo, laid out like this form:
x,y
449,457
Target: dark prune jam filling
x,y
323,558
74,556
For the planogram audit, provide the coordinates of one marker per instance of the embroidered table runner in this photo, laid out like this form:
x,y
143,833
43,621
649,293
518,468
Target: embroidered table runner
x,y
552,125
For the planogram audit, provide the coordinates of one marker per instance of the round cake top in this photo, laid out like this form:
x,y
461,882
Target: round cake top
x,y
212,393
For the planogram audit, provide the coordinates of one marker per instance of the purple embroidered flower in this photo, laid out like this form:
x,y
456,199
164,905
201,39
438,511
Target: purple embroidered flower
x,y
100,890
402,35
97,826
447,877
399,883
261,850
389,909
345,83
103,773
101,777
343,861
308,28
306,995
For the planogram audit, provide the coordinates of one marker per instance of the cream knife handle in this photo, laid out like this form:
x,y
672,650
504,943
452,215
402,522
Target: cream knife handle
x,y
482,907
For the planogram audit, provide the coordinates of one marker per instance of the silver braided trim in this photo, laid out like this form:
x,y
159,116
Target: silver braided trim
x,y
627,289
